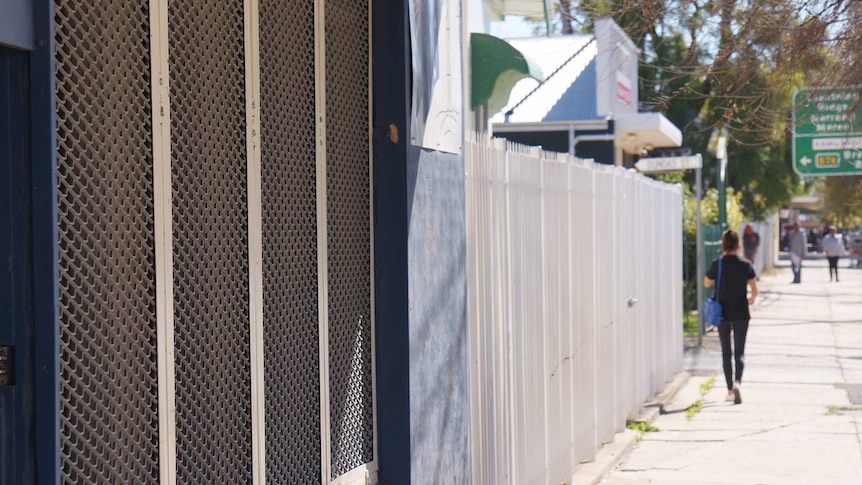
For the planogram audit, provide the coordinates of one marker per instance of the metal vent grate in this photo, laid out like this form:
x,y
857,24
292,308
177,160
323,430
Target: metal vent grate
x,y
208,122
290,276
108,346
349,235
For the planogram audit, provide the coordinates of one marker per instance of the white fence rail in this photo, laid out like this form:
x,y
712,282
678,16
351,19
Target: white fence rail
x,y
575,306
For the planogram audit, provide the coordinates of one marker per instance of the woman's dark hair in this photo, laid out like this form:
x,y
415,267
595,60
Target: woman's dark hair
x,y
729,241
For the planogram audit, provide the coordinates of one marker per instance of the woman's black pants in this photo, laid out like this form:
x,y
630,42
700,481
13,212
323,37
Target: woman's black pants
x,y
739,329
833,267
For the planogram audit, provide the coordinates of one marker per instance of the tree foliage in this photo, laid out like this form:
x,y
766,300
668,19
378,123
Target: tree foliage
x,y
709,211
736,64
842,199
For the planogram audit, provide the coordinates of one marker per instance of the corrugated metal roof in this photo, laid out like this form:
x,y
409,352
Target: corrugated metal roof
x,y
562,61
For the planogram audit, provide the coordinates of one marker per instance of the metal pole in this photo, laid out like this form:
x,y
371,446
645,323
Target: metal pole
x,y
721,158
722,193
547,19
699,251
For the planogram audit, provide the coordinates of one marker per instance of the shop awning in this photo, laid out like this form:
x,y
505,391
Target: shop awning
x,y
533,9
495,68
647,130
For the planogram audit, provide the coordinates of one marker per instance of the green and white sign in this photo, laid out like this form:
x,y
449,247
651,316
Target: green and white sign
x,y
827,132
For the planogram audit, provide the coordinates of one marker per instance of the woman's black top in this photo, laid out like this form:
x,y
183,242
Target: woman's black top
x,y
733,294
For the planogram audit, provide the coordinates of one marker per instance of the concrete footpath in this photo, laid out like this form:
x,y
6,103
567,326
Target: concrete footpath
x,y
800,421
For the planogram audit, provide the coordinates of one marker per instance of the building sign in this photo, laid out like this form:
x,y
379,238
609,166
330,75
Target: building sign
x,y
624,84
827,132
624,89
669,164
616,70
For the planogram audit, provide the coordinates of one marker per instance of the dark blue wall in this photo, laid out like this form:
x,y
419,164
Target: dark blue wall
x,y
45,257
552,141
16,275
558,141
390,53
29,411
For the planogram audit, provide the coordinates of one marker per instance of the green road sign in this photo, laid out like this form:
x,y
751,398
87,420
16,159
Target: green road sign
x,y
827,132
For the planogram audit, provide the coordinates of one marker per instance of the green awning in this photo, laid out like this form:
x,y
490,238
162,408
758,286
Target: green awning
x,y
495,68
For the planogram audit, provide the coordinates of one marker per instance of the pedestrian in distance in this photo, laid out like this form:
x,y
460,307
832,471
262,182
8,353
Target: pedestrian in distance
x,y
750,243
737,275
798,248
833,246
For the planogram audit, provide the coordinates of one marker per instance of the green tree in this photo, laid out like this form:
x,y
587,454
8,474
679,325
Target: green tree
x,y
842,200
709,210
735,64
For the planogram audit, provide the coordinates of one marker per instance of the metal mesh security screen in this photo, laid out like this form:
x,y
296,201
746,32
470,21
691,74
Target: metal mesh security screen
x,y
208,121
290,276
349,234
108,354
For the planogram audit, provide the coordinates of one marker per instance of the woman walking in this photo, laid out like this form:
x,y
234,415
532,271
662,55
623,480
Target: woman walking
x,y
736,275
833,245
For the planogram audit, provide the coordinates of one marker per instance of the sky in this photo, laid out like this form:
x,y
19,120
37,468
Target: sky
x,y
513,27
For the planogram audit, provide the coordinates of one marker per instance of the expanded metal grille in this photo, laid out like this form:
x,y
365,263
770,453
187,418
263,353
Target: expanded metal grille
x,y
107,256
208,121
349,233
290,275
108,349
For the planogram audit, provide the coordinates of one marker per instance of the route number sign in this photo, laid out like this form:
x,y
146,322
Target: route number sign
x,y
827,131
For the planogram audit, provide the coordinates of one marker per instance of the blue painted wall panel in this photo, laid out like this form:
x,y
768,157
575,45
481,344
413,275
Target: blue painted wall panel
x,y
579,101
439,367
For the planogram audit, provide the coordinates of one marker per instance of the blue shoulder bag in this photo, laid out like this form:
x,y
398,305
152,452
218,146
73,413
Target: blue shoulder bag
x,y
712,311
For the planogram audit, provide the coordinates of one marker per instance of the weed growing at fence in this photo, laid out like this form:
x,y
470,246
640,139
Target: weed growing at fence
x,y
643,427
689,324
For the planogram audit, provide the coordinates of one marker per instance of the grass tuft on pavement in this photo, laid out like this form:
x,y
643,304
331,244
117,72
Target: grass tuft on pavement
x,y
706,386
695,408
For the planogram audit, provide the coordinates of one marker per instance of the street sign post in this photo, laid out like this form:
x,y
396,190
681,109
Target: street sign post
x,y
827,132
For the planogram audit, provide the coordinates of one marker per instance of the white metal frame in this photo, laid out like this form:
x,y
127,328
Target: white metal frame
x,y
255,240
322,236
163,224
372,467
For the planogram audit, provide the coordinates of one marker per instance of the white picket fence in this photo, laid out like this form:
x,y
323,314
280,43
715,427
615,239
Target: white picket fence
x,y
575,306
